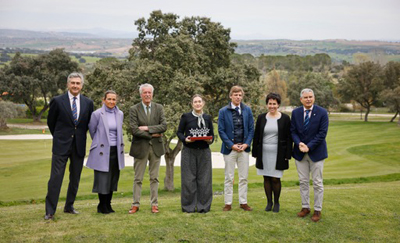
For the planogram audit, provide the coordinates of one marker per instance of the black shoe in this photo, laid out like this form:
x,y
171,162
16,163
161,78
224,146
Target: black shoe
x,y
49,217
108,204
269,207
101,208
276,208
71,211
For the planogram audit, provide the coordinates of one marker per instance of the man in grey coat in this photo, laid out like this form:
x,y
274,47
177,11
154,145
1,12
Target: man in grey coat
x,y
148,123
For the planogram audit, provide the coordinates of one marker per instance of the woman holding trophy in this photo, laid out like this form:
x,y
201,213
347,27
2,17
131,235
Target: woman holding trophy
x,y
196,133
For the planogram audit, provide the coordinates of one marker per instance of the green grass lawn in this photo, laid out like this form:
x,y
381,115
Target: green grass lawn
x,y
362,178
356,149
352,213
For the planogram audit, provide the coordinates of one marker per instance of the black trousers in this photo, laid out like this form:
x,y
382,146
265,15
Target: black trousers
x,y
58,165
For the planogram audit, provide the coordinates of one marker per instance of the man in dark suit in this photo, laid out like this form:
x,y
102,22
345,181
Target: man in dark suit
x,y
309,129
68,120
148,124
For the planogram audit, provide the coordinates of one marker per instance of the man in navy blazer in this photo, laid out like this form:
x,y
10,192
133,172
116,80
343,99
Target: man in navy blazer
x,y
309,129
236,129
68,120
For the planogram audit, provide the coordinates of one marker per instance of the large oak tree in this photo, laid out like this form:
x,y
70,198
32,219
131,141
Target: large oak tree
x,y
179,58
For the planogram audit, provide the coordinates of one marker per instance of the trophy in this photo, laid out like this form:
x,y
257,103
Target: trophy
x,y
199,134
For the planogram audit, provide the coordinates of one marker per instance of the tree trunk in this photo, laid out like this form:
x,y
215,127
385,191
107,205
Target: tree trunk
x,y
169,157
366,113
39,116
398,123
394,117
3,124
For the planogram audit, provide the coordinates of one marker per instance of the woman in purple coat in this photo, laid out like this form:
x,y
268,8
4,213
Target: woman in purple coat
x,y
106,155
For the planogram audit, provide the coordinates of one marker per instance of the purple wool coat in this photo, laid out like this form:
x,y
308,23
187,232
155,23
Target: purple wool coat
x,y
99,155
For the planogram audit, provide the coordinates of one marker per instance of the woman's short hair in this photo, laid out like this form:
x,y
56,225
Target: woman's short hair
x,y
109,92
273,96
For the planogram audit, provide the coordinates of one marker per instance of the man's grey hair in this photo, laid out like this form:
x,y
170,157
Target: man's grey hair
x,y
146,85
76,75
306,90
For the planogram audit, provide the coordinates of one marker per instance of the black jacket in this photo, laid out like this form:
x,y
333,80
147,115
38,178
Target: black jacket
x,y
62,127
284,142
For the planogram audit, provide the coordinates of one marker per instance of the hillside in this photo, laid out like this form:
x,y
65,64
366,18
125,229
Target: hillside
x,y
338,50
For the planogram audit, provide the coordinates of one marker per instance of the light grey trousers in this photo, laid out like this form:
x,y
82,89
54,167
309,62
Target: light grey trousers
x,y
139,167
304,168
242,161
196,180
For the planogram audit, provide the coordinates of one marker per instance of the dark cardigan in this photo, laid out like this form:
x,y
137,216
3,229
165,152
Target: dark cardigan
x,y
189,121
284,142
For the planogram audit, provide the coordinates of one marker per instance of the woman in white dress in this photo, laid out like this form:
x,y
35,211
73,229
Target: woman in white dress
x,y
272,148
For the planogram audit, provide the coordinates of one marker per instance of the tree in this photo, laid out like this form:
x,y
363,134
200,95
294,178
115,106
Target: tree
x,y
9,110
27,79
391,93
191,56
362,83
179,58
320,83
274,84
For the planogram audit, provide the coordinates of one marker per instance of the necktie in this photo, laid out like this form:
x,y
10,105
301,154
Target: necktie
x,y
148,113
75,111
237,109
306,120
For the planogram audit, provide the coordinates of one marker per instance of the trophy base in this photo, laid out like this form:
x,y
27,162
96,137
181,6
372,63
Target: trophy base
x,y
200,138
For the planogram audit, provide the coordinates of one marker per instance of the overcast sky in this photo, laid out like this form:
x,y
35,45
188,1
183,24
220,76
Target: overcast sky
x,y
249,19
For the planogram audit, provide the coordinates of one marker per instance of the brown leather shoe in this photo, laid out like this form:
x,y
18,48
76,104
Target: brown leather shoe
x,y
133,209
246,207
304,212
154,209
316,216
227,207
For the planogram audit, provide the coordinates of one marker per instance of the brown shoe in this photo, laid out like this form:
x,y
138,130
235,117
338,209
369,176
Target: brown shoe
x,y
134,209
154,209
304,212
316,216
227,207
246,207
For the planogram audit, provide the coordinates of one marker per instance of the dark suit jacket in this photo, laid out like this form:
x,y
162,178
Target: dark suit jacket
x,y
284,142
141,139
315,136
62,127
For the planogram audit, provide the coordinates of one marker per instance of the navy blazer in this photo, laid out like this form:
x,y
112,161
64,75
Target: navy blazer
x,y
315,136
226,127
62,127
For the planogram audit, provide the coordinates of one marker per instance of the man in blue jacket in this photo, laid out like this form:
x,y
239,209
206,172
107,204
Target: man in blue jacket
x,y
309,129
236,129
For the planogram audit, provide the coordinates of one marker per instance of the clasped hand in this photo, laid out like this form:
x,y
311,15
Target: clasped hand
x,y
239,147
303,147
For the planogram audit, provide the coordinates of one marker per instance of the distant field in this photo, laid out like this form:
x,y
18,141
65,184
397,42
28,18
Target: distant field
x,y
338,50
